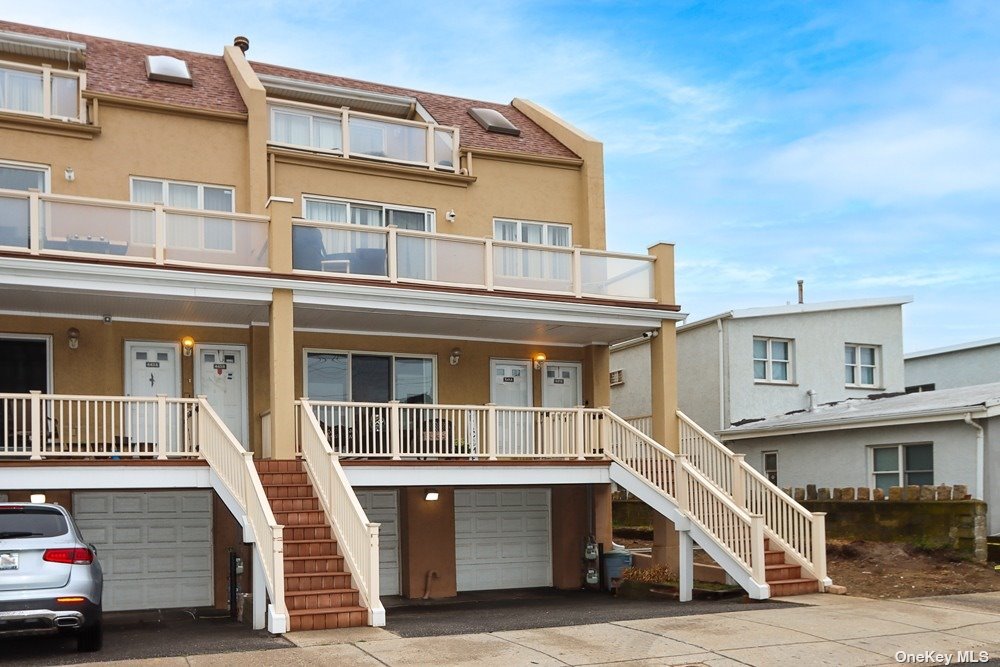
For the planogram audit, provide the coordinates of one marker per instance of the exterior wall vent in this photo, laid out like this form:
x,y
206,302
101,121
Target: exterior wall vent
x,y
168,68
617,377
494,121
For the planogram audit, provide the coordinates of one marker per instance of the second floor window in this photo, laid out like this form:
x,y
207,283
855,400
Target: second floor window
x,y
14,212
861,365
187,231
772,359
22,90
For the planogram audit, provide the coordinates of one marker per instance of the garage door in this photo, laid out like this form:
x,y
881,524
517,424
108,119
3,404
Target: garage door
x,y
155,547
381,507
502,538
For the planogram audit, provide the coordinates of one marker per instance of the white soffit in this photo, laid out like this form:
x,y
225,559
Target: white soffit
x,y
385,104
34,46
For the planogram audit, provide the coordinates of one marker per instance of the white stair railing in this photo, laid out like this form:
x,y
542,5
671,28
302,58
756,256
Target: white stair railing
x,y
792,527
235,468
734,529
356,536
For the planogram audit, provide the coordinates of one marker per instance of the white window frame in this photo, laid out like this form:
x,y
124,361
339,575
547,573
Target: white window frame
x,y
165,184
857,365
545,234
765,469
901,471
430,214
350,354
45,169
769,360
310,112
47,339
48,73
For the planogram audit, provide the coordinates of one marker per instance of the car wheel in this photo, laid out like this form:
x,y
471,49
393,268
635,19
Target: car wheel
x,y
91,638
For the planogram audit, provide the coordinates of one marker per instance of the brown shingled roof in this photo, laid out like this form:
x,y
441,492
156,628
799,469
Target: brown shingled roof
x,y
119,68
447,111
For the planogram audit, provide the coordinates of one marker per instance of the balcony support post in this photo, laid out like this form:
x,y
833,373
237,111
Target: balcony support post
x,y
491,431
160,232
395,430
580,449
35,429
161,426
488,265
34,222
392,254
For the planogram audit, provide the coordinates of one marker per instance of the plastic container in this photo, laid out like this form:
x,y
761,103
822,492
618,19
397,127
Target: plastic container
x,y
614,563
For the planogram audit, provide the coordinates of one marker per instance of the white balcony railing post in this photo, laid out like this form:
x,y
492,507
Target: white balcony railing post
x,y
577,273
604,437
819,544
345,132
488,265
47,91
161,426
395,428
681,474
581,452
491,431
373,565
392,254
757,548
429,146
34,222
160,225
36,425
739,481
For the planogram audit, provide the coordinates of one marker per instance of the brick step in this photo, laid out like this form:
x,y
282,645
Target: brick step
x,y
299,548
307,532
313,564
269,465
303,504
782,572
774,557
323,619
332,598
305,518
793,587
311,581
270,478
279,491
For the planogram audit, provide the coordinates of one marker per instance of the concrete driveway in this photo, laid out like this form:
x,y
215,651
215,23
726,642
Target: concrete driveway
x,y
828,630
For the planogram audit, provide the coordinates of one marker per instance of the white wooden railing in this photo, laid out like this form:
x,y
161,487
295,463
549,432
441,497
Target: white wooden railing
x,y
734,529
234,466
356,536
643,424
46,224
408,256
37,425
791,526
416,431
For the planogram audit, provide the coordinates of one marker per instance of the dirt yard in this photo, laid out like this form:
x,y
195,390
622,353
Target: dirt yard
x,y
892,570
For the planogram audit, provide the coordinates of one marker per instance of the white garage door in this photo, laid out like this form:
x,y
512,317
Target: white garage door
x,y
502,538
155,547
381,507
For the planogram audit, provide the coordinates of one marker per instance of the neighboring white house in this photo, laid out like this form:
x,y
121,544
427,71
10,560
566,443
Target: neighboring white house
x,y
755,362
949,436
962,365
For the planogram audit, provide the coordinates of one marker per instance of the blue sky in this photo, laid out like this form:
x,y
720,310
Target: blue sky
x,y
855,145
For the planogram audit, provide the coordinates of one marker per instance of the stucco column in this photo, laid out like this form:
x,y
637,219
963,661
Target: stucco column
x,y
598,360
280,237
282,380
255,97
663,353
666,543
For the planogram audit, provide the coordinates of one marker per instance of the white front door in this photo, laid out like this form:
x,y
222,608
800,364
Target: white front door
x,y
502,538
221,377
151,369
381,508
510,386
561,384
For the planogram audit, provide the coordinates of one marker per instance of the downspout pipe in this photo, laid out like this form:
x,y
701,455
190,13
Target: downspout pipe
x,y
722,375
980,457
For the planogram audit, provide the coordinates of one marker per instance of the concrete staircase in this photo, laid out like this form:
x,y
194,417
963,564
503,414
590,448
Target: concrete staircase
x,y
318,590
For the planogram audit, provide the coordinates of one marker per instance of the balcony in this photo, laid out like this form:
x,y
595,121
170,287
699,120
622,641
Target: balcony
x,y
42,92
354,134
60,225
405,256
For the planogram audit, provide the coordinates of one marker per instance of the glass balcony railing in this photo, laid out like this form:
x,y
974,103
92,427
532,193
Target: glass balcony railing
x,y
353,134
405,256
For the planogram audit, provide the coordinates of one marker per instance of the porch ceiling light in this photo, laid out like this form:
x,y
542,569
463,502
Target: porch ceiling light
x,y
431,494
73,336
188,344
38,498
456,354
539,358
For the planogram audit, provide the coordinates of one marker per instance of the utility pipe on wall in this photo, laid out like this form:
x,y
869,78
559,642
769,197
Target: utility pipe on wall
x,y
980,458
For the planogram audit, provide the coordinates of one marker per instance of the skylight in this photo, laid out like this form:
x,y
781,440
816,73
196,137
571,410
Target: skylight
x,y
494,121
167,68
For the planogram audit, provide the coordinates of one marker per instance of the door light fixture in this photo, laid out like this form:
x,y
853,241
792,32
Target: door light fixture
x,y
73,337
456,354
539,359
430,494
188,344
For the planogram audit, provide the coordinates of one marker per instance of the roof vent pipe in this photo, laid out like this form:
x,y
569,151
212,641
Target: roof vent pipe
x,y
242,42
801,291
812,397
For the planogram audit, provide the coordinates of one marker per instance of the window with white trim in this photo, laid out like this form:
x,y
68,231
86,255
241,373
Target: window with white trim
x,y
22,90
532,263
861,365
301,127
772,359
369,377
771,466
14,222
902,465
529,231
183,230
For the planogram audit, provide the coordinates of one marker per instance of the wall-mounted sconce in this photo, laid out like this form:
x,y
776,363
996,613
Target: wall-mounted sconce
x,y
539,358
187,343
73,336
456,354
450,215
70,174
431,494
38,497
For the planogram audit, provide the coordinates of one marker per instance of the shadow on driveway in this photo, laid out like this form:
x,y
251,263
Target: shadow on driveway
x,y
139,635
498,611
